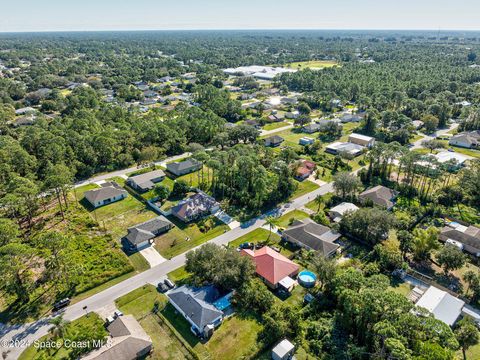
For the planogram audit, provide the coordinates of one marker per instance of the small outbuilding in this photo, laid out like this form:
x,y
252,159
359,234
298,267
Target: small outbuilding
x,y
283,351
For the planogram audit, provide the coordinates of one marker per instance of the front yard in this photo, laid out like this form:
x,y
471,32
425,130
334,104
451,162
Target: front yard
x,y
184,237
303,187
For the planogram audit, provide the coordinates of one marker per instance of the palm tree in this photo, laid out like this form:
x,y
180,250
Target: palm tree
x,y
319,201
58,328
270,221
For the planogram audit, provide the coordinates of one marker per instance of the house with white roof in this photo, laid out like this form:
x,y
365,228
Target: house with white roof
x,y
362,140
442,305
338,212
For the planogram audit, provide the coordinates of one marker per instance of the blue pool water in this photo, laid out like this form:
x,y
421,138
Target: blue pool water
x,y
307,278
223,303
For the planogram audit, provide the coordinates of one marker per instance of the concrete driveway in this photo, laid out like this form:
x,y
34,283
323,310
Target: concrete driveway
x,y
152,256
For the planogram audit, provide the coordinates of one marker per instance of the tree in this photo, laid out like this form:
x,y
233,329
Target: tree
x,y
254,295
472,56
319,201
59,179
389,254
451,258
180,189
17,262
270,221
325,270
303,108
162,192
302,120
472,278
424,242
430,123
467,334
8,231
405,239
346,184
220,266
59,325
371,225
432,145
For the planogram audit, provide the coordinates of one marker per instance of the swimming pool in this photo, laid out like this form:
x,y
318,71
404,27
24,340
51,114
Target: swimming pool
x,y
307,279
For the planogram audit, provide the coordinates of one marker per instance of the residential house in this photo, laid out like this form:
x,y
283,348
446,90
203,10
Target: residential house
x,y
273,141
312,128
348,118
442,305
312,236
284,350
141,236
253,123
324,123
467,140
336,213
380,196
306,141
184,167
344,147
127,341
458,160
147,181
108,193
417,124
466,238
292,114
272,267
24,110
26,120
276,117
305,169
200,307
195,207
362,140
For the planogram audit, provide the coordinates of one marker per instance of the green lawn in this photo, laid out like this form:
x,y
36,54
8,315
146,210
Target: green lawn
x,y
140,303
74,331
260,236
175,241
179,275
314,207
275,125
400,287
139,262
291,137
312,64
471,354
284,221
118,216
303,187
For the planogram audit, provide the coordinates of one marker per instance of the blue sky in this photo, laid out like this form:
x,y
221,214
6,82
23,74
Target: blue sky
x,y
61,15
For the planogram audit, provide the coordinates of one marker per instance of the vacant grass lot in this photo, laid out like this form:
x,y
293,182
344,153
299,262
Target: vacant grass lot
x,y
312,64
275,125
285,220
184,237
303,187
261,236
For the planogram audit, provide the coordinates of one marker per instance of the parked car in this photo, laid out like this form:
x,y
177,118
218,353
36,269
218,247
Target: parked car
x,y
117,314
162,287
61,304
246,245
169,283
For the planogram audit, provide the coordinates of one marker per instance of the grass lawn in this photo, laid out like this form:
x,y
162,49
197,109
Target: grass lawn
x,y
314,207
312,64
236,338
118,216
275,125
140,303
179,275
139,262
400,287
291,137
260,236
471,354
303,187
88,324
175,241
284,221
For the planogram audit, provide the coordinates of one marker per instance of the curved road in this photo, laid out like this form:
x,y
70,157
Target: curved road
x,y
15,338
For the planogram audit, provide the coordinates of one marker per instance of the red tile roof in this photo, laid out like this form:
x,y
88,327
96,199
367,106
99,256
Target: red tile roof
x,y
271,265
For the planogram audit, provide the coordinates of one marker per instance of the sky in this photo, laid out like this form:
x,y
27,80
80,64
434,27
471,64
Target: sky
x,y
94,15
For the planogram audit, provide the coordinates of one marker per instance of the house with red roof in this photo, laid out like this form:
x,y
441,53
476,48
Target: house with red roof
x,y
305,170
273,268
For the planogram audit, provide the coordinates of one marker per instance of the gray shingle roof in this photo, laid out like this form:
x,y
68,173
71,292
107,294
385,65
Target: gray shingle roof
x,y
196,304
313,235
189,164
470,238
147,230
196,205
144,181
379,195
107,191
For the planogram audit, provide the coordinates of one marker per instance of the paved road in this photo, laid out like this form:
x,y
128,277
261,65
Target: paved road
x,y
28,333
124,172
418,144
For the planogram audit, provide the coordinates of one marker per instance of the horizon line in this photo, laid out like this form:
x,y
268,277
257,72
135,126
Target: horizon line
x,y
233,29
